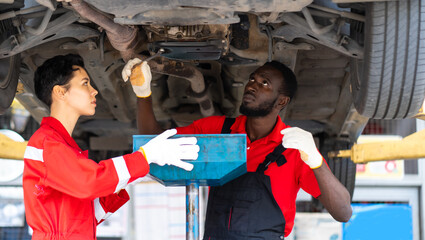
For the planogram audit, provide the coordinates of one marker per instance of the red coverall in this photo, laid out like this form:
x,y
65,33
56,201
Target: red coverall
x,y
66,194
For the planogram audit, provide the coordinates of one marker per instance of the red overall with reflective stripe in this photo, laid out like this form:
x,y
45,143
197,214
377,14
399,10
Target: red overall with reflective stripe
x,y
66,194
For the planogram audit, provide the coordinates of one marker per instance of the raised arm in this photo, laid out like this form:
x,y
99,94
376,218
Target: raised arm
x,y
334,196
140,76
146,121
74,174
71,172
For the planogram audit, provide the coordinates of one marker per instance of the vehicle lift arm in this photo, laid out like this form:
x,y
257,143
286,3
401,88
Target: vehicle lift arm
x,y
410,147
10,149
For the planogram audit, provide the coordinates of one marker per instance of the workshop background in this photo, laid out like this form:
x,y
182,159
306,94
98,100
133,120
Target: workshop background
x,y
388,200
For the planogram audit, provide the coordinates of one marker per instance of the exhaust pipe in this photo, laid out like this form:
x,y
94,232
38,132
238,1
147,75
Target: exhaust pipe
x,y
122,38
125,39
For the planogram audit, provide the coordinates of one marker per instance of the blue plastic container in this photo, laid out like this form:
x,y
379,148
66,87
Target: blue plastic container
x,y
222,157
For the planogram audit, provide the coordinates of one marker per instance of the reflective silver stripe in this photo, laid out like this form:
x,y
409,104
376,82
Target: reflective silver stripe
x,y
33,153
98,210
122,172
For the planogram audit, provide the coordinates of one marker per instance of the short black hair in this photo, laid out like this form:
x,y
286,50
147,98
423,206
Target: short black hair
x,y
55,71
289,86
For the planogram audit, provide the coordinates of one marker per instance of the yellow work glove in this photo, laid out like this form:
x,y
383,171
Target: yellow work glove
x,y
140,77
302,140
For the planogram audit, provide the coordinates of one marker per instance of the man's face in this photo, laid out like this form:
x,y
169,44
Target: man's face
x,y
261,92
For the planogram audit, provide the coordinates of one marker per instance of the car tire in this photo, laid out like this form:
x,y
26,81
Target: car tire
x,y
9,73
9,69
389,82
343,168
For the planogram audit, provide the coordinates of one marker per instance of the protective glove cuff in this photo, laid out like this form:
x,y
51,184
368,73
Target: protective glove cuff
x,y
144,154
315,162
142,91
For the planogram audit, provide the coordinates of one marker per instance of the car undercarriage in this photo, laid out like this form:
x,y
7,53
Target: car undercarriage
x,y
353,61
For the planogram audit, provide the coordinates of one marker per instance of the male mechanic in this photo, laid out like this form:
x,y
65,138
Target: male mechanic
x,y
280,159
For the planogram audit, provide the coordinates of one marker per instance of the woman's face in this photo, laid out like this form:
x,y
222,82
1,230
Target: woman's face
x,y
81,96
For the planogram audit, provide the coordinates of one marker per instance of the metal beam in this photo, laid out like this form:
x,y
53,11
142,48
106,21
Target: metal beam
x,y
10,149
410,147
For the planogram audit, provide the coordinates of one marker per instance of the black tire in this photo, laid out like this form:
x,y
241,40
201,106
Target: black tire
x,y
9,73
9,69
390,81
343,168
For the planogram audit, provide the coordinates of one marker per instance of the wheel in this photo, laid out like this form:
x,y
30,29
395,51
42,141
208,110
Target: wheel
x,y
343,168
9,69
389,83
9,73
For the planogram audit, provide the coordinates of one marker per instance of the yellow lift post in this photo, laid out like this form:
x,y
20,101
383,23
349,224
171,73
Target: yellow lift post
x,y
410,147
10,149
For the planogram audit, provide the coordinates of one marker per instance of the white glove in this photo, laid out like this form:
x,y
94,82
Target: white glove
x,y
161,150
302,140
140,77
